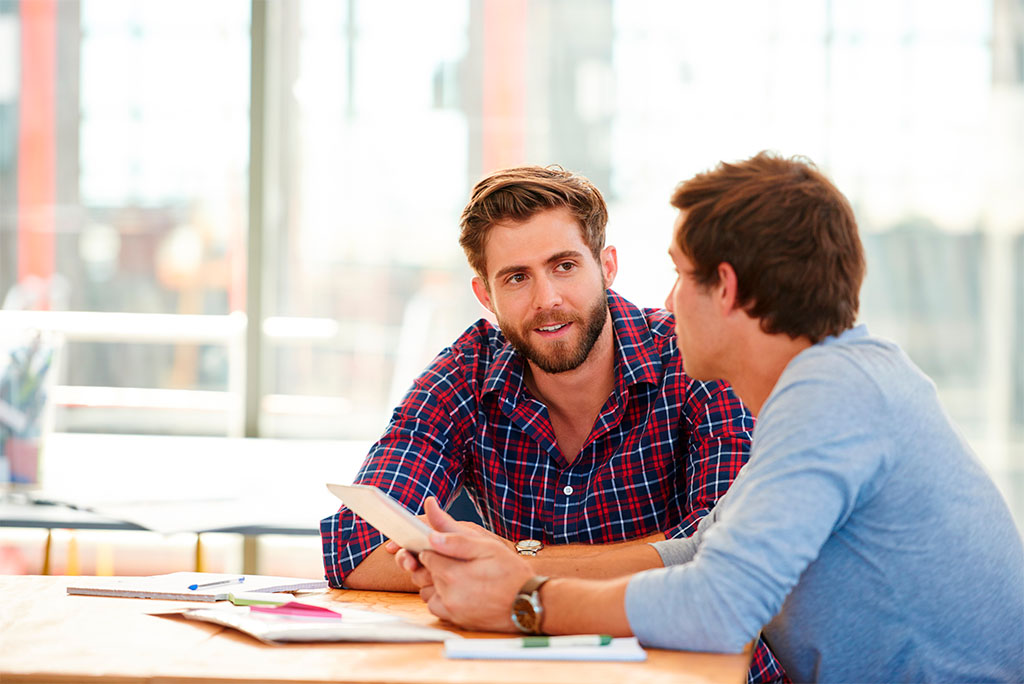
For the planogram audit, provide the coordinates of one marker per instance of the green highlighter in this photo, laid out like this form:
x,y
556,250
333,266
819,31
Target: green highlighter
x,y
257,598
568,640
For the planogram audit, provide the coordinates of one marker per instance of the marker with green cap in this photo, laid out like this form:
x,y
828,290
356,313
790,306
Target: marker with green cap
x,y
568,640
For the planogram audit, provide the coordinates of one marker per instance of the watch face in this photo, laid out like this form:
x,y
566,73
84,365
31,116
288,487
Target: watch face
x,y
528,545
523,614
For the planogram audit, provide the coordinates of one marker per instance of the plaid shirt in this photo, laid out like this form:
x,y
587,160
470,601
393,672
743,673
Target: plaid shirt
x,y
662,451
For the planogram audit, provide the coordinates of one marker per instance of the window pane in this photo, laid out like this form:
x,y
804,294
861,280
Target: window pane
x,y
124,151
375,140
380,115
390,112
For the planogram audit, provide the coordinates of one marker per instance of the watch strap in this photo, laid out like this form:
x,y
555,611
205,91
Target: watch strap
x,y
533,584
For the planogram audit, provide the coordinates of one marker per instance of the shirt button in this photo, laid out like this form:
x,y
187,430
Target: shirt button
x,y
568,490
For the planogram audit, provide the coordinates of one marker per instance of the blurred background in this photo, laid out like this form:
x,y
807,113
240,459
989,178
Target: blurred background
x,y
256,203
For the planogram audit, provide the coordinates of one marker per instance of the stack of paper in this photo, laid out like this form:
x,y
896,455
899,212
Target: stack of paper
x,y
282,627
193,586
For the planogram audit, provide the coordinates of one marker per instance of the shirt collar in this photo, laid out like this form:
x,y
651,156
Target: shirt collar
x,y
636,358
506,371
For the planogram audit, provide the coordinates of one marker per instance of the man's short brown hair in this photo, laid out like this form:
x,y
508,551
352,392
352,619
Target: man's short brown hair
x,y
517,194
788,233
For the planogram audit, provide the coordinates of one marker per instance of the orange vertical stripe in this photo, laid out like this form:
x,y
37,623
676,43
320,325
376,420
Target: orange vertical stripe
x,y
37,154
504,84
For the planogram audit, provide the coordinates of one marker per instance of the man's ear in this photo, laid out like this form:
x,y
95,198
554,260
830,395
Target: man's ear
x,y
609,264
482,294
727,287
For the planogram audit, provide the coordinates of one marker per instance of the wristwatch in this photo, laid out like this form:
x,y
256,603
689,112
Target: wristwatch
x,y
527,612
528,547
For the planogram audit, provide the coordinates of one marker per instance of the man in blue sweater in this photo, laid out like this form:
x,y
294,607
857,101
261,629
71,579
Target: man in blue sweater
x,y
863,538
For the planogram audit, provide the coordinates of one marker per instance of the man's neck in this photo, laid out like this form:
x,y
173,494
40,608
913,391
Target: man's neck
x,y
580,393
759,364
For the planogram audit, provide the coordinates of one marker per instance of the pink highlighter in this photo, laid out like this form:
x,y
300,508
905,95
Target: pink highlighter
x,y
297,609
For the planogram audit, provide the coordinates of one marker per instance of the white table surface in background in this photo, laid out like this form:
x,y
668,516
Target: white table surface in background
x,y
226,482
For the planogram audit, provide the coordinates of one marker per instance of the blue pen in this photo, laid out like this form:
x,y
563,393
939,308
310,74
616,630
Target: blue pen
x,y
220,583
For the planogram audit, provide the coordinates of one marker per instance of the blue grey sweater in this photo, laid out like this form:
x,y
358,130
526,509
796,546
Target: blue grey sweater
x,y
863,535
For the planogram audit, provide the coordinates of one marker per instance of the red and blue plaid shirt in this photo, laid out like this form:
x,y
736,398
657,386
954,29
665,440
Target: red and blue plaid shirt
x,y
662,451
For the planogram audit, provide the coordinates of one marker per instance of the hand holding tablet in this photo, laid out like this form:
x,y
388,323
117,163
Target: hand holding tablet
x,y
387,515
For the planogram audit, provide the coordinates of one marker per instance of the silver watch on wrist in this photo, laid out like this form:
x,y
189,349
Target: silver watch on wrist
x,y
527,612
528,547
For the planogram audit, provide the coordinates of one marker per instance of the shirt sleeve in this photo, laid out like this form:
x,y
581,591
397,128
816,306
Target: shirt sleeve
x,y
818,457
420,454
719,429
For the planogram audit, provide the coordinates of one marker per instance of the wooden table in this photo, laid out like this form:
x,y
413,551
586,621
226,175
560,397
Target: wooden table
x,y
47,636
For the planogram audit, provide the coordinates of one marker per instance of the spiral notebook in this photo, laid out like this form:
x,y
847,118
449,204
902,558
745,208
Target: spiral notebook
x,y
209,586
349,625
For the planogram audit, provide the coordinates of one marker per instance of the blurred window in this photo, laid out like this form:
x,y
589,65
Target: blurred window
x,y
124,153
124,145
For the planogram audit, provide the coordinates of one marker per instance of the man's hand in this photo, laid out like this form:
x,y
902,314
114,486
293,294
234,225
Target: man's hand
x,y
410,564
469,578
481,530
470,527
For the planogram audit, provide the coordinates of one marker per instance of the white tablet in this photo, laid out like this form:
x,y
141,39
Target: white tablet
x,y
387,515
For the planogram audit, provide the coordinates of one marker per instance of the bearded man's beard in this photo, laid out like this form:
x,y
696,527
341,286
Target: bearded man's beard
x,y
562,355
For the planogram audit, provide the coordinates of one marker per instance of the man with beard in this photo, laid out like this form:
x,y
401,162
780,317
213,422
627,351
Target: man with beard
x,y
571,426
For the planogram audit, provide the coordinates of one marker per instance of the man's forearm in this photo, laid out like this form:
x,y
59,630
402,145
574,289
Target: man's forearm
x,y
585,550
602,561
578,606
378,572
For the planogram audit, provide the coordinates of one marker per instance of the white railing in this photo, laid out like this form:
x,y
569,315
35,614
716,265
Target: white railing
x,y
226,330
